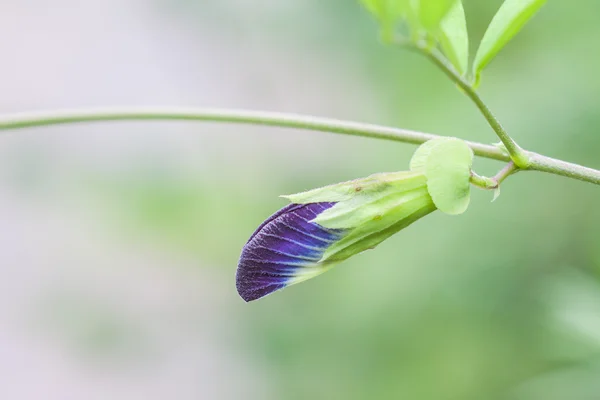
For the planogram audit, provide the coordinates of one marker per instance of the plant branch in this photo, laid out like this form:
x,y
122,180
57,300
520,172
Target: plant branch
x,y
486,183
483,182
517,154
505,172
543,163
283,120
22,120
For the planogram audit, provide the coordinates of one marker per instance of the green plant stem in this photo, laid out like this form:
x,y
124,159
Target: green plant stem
x,y
505,172
22,120
283,120
519,156
486,183
543,163
483,182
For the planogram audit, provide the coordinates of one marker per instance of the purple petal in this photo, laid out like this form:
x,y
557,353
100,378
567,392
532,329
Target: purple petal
x,y
282,248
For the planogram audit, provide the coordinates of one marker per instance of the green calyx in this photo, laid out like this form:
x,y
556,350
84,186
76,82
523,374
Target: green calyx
x,y
446,163
371,209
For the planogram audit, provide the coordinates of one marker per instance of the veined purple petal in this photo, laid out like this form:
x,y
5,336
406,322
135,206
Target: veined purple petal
x,y
283,248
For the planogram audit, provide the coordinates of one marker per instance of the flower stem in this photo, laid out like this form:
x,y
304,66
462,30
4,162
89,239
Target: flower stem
x,y
519,156
537,162
486,183
483,182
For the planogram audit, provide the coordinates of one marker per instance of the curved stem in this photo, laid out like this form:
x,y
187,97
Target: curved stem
x,y
486,183
537,162
517,154
483,182
284,120
505,172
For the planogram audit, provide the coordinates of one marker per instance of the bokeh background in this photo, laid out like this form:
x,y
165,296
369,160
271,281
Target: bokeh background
x,y
119,241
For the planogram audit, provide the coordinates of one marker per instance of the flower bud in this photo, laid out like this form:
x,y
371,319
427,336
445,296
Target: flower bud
x,y
325,226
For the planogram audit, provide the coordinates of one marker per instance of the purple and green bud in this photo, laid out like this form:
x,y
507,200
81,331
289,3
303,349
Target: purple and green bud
x,y
325,226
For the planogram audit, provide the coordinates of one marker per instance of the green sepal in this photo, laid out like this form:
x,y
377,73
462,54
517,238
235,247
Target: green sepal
x,y
397,212
358,188
373,202
370,209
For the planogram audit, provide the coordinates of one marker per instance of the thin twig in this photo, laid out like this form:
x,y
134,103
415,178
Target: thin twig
x,y
284,120
22,120
505,172
517,154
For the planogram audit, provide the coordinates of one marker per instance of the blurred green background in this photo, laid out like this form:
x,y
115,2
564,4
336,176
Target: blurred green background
x,y
119,241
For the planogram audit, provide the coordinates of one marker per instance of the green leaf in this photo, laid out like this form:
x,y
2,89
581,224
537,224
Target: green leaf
x,y
388,13
448,171
418,14
373,6
508,21
454,39
431,12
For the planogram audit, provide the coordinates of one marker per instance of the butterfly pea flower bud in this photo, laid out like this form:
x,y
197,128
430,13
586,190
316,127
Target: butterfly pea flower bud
x,y
325,226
